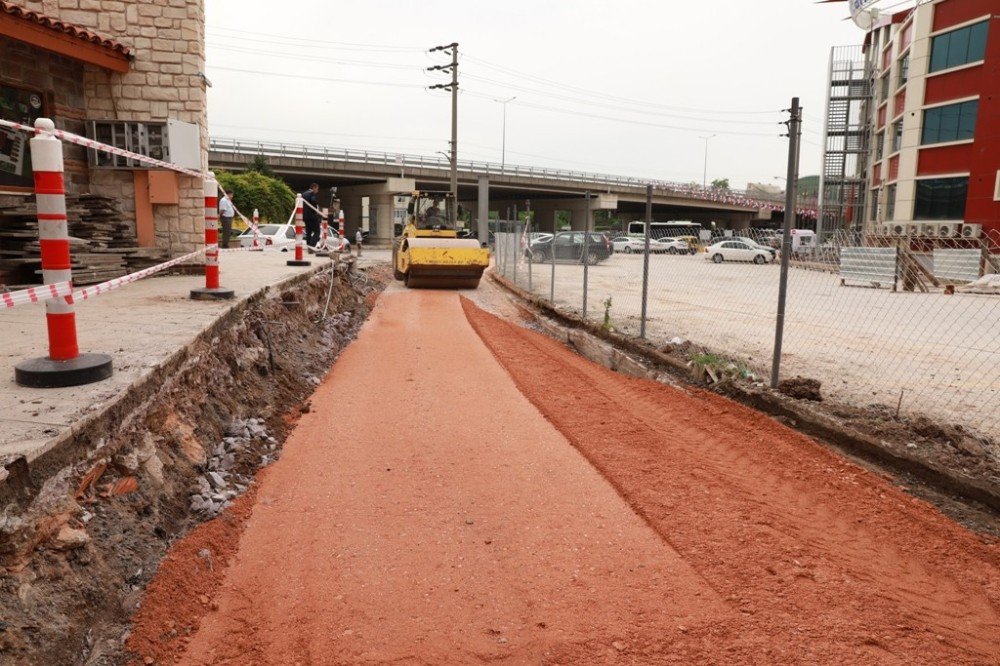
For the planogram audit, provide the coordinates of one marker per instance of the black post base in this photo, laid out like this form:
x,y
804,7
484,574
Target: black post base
x,y
46,373
217,294
293,262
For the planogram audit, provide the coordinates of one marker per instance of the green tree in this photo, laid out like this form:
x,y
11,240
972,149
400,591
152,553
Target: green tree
x,y
272,198
260,165
720,184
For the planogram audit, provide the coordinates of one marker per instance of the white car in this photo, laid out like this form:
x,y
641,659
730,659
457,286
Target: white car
x,y
270,234
673,246
754,244
731,250
628,244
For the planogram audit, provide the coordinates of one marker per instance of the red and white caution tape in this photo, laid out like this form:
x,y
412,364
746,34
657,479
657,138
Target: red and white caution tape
x,y
40,294
96,145
105,287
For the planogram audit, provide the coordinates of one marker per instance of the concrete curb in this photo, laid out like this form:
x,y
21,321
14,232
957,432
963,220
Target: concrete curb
x,y
579,333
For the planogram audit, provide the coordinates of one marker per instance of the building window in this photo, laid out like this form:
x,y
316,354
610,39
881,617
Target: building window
x,y
897,135
890,202
20,106
874,211
941,199
953,122
879,145
959,47
884,88
904,71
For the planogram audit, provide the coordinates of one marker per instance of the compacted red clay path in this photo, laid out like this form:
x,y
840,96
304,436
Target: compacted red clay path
x,y
462,498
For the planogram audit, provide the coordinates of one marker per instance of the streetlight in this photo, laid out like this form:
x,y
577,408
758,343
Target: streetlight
x,y
503,149
704,174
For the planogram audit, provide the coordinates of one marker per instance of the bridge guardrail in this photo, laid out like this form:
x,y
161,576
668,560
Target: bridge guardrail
x,y
402,161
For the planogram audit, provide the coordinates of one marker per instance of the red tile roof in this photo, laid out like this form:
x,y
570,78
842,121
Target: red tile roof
x,y
65,28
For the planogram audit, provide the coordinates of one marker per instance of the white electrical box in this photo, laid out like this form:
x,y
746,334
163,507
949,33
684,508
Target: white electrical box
x,y
184,144
171,141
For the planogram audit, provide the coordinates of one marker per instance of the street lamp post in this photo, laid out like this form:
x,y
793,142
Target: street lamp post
x,y
704,173
503,145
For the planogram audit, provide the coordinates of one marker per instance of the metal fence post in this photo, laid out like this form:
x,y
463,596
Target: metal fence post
x,y
527,208
791,185
552,260
515,243
645,261
586,251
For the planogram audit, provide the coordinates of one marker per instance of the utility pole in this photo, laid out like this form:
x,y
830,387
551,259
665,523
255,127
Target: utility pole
x,y
791,186
704,172
503,139
453,86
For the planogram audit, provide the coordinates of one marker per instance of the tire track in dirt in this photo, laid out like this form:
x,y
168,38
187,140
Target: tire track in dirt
x,y
825,561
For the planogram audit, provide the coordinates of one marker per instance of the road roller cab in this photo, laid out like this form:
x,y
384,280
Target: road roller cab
x,y
429,253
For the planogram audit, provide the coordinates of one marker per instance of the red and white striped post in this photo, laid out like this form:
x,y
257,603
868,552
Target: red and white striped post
x,y
323,247
256,230
211,290
340,230
65,365
299,241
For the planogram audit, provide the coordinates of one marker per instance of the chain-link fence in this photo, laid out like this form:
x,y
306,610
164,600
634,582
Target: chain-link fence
x,y
907,319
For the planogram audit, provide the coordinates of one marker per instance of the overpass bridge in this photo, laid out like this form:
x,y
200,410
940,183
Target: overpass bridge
x,y
368,181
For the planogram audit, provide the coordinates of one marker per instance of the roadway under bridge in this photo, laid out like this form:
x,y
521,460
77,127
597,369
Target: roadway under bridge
x,y
368,184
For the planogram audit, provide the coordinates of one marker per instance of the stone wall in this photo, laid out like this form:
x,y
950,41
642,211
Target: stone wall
x,y
167,38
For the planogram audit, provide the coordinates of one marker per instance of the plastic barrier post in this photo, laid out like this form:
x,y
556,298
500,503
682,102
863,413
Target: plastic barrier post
x,y
211,290
65,365
323,248
256,227
299,242
340,231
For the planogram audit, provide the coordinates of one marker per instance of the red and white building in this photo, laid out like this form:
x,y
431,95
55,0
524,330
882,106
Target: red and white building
x,y
934,158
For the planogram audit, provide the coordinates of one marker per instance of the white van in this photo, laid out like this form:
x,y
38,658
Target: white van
x,y
803,240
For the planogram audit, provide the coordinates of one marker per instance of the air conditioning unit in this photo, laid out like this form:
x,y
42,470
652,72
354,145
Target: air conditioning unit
x,y
898,229
914,229
886,230
949,229
929,230
972,230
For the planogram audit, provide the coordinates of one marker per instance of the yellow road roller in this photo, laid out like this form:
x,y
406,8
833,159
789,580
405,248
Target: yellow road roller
x,y
429,253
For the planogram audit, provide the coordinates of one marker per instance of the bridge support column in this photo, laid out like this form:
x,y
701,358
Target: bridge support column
x,y
578,219
545,218
380,210
483,210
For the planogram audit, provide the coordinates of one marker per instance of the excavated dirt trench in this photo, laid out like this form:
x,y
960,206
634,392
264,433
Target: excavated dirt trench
x,y
78,549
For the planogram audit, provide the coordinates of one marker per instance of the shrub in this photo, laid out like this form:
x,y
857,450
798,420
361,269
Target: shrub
x,y
272,198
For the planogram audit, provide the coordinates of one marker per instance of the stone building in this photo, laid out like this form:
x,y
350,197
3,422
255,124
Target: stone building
x,y
138,64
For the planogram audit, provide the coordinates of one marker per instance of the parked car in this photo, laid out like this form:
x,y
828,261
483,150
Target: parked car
x,y
270,234
733,250
752,243
630,244
568,246
674,246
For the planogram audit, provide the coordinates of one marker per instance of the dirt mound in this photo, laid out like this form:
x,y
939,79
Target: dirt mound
x,y
801,388
79,549
818,559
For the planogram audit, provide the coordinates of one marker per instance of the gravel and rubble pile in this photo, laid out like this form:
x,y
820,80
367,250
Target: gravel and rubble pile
x,y
240,448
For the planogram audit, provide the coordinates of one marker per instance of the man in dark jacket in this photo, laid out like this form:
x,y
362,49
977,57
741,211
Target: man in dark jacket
x,y
310,216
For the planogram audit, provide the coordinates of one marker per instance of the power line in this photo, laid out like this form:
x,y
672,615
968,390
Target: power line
x,y
628,121
317,78
279,54
295,40
613,107
606,96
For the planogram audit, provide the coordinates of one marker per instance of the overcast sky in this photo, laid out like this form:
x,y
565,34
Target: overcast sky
x,y
624,87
